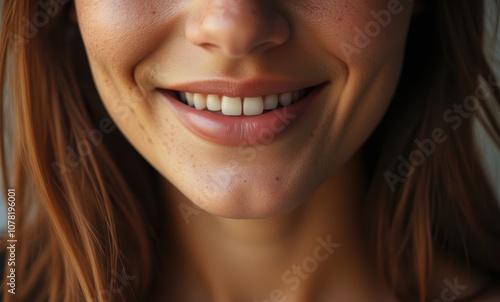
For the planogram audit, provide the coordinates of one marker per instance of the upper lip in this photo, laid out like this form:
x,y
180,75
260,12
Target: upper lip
x,y
248,88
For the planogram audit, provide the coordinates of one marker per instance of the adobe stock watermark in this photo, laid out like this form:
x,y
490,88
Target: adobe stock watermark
x,y
122,109
94,137
426,147
47,9
249,150
221,180
293,277
73,157
364,36
10,253
280,120
136,96
451,291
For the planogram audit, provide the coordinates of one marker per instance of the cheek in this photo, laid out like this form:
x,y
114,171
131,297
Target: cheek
x,y
117,36
356,32
369,41
119,33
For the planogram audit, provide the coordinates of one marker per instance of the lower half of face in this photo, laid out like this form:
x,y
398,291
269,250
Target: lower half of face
x,y
245,107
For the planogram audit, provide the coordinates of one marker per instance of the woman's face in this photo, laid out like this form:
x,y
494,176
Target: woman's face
x,y
282,92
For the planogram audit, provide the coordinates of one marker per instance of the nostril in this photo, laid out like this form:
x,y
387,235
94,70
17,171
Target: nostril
x,y
239,30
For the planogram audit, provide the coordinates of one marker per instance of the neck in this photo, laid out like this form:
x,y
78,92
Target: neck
x,y
318,244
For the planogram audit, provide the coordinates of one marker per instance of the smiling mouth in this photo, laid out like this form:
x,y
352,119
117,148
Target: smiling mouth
x,y
242,105
233,118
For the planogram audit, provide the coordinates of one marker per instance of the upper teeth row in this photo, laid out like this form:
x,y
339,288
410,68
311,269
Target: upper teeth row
x,y
237,105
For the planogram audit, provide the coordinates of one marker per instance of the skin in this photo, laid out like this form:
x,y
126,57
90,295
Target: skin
x,y
309,182
134,48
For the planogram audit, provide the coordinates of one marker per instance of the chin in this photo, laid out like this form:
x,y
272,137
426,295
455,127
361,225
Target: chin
x,y
247,199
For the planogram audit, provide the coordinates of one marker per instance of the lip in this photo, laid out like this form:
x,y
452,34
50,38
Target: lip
x,y
240,130
235,88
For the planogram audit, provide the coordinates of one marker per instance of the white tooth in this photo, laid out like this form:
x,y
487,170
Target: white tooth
x,y
253,106
231,106
271,102
200,101
286,99
190,99
213,102
295,96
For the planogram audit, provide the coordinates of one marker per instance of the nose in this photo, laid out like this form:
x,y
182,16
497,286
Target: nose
x,y
237,27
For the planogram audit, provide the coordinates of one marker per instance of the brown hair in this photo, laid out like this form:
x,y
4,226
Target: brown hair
x,y
82,221
435,200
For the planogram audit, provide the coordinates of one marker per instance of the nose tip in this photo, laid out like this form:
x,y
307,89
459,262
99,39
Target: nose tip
x,y
237,28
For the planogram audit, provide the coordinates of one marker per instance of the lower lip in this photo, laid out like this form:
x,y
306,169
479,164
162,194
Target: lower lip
x,y
242,130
